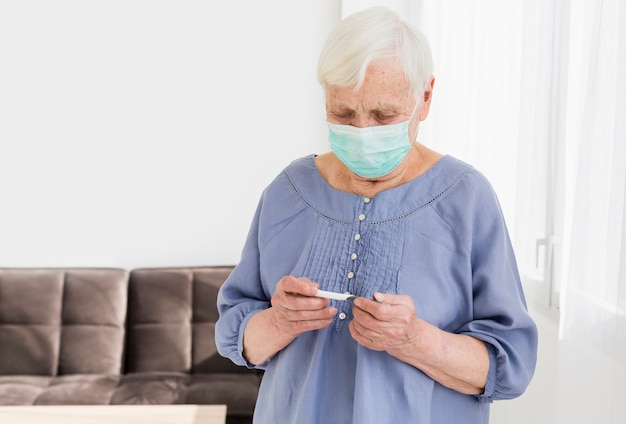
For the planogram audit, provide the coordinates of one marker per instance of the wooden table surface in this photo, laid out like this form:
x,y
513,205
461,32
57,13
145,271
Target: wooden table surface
x,y
118,414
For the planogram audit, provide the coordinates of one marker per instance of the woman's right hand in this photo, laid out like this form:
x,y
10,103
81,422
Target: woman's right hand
x,y
294,310
297,310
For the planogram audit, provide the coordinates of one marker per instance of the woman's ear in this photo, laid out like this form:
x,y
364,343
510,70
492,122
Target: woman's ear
x,y
428,96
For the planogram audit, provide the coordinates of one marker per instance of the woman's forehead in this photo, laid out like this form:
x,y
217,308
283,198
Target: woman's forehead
x,y
368,99
384,86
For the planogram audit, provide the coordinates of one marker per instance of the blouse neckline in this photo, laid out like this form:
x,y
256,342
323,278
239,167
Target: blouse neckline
x,y
393,203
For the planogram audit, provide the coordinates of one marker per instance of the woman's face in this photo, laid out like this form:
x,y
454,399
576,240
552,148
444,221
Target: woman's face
x,y
383,99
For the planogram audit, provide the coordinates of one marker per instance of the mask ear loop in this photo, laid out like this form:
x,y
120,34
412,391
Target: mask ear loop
x,y
409,125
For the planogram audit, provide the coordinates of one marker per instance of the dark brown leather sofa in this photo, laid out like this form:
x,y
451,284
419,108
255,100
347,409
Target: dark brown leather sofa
x,y
111,336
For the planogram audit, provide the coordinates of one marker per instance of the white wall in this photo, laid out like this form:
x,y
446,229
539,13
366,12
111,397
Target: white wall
x,y
141,133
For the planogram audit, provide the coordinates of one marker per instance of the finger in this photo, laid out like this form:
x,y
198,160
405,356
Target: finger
x,y
293,294
362,330
375,309
369,326
305,303
393,299
297,302
301,286
364,336
386,308
301,322
294,315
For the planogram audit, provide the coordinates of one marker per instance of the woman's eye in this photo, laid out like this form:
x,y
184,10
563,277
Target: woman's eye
x,y
342,115
384,118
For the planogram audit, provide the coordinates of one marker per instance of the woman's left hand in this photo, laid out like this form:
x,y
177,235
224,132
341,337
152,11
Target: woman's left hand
x,y
389,323
386,323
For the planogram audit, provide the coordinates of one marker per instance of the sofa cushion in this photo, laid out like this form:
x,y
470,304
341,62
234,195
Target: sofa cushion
x,y
23,389
94,317
205,359
238,391
171,320
62,321
30,321
29,349
159,320
151,388
79,389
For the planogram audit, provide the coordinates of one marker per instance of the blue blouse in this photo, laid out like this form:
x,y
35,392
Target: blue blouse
x,y
440,239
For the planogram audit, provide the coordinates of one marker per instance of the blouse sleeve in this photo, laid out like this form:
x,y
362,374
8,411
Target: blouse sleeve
x,y
239,298
250,286
500,314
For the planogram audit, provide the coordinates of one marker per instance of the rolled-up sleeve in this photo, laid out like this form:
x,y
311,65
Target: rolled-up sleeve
x,y
500,314
240,297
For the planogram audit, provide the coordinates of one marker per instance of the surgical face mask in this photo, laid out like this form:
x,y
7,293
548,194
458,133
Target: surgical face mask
x,y
370,152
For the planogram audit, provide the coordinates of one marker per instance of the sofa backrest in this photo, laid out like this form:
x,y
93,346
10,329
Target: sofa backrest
x,y
62,321
171,320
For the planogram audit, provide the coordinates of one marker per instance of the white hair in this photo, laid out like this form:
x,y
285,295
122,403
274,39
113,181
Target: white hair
x,y
369,35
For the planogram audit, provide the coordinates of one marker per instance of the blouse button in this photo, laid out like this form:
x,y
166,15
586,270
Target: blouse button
x,y
353,256
351,275
342,315
361,217
366,199
357,237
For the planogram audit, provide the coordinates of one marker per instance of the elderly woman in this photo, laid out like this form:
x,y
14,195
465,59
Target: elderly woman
x,y
435,325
